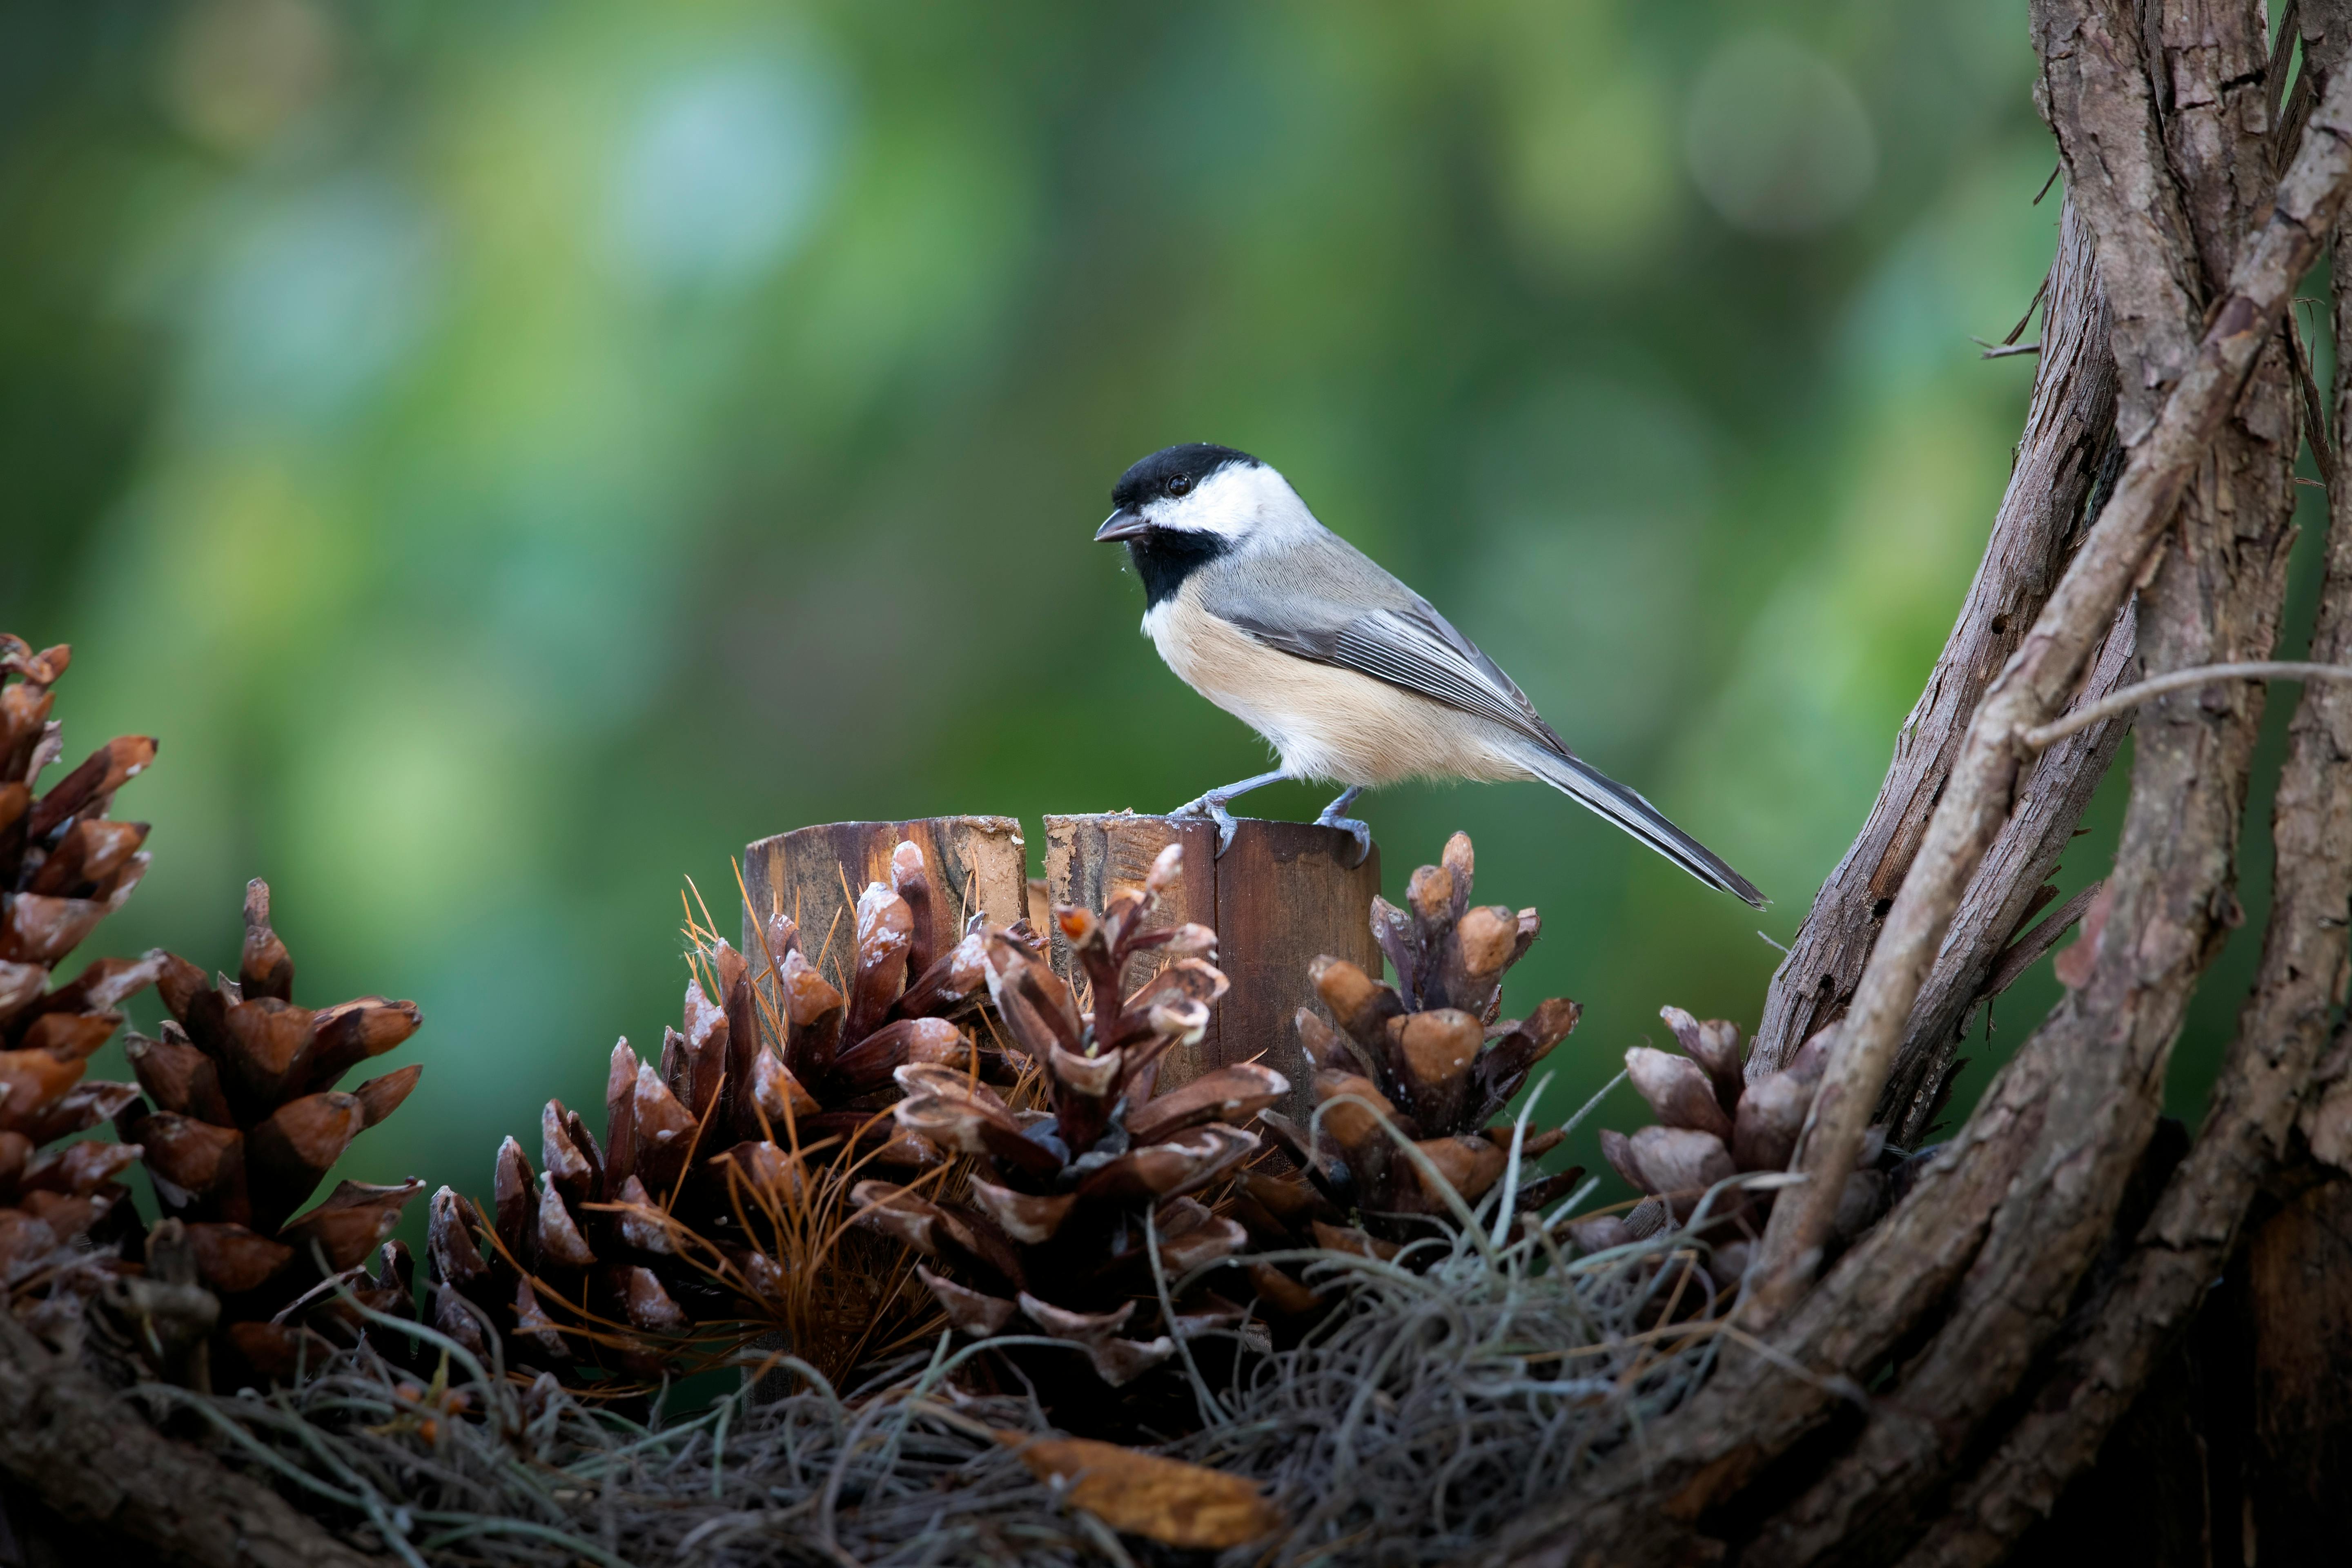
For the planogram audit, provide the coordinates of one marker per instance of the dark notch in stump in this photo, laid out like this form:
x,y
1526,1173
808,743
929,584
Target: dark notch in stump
x,y
1281,897
815,874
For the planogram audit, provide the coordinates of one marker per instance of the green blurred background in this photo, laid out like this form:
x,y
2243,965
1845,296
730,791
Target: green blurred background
x,y
515,453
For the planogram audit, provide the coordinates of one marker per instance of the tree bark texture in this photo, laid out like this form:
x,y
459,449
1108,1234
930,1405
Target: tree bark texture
x,y
2068,445
2150,1498
2299,1297
1283,895
95,1461
2231,523
2217,596
2005,1222
2283,1030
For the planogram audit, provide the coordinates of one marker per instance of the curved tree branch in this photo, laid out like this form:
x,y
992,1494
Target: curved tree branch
x,y
2039,679
2282,1031
2065,455
2216,598
1648,1506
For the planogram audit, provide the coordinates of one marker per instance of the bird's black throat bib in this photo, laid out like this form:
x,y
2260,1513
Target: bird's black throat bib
x,y
1165,557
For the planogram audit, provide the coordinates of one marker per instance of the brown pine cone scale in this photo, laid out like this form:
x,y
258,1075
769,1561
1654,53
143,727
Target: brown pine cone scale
x,y
617,1256
1714,1123
66,1217
242,1121
1428,1058
1080,1214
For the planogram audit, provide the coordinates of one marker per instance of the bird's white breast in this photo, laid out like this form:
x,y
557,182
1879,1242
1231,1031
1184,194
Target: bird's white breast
x,y
1325,722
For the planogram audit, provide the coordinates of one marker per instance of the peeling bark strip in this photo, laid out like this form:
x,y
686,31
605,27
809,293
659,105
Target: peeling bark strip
x,y
2069,441
2002,896
73,1443
2040,676
2282,1031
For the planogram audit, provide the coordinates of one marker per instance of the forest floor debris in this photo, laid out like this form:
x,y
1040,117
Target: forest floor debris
x,y
1455,1386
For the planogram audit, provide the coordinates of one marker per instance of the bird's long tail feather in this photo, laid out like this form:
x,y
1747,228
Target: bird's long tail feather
x,y
1590,787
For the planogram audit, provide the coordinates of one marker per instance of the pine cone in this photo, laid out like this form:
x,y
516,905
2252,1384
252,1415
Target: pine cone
x,y
64,866
1715,1123
1427,1055
691,1213
245,1122
1065,1203
903,1005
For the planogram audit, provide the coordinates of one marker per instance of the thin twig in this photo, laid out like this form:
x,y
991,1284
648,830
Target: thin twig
x,y
2315,410
2021,954
2281,56
2041,293
2156,686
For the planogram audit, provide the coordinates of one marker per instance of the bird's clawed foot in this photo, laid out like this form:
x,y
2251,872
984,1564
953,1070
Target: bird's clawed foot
x,y
1361,832
1212,807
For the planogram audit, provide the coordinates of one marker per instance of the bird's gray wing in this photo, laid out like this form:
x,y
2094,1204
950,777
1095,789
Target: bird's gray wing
x,y
1409,646
1320,597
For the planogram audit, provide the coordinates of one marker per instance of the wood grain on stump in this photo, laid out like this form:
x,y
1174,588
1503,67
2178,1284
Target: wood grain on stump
x,y
815,875
1283,895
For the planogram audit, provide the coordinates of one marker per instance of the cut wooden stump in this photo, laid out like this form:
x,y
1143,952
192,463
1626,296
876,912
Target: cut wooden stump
x,y
1282,896
1088,858
815,875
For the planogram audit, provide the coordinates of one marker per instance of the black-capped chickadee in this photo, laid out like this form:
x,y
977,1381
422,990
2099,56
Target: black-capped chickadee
x,y
1350,676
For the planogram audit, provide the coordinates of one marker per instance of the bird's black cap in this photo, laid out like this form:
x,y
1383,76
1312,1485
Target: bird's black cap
x,y
1194,461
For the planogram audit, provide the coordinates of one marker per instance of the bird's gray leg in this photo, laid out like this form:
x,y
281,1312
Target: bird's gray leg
x,y
1361,832
1212,805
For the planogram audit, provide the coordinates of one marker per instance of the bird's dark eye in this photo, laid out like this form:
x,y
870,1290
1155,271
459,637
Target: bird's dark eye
x,y
1179,484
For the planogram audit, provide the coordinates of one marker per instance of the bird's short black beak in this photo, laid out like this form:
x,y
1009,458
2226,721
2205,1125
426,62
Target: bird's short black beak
x,y
1122,525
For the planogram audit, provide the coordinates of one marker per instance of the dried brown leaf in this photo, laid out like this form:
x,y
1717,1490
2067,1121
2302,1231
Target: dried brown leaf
x,y
1165,1501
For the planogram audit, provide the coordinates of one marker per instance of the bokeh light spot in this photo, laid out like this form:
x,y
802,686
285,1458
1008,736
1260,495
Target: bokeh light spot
x,y
318,300
725,169
1592,179
238,70
1778,141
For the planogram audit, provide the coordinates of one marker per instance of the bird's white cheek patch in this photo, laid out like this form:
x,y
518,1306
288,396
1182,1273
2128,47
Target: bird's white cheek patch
x,y
1235,503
